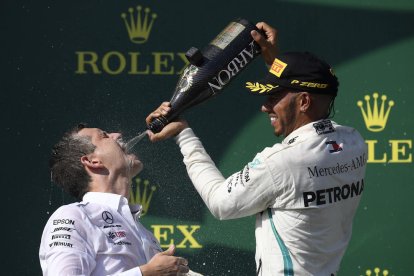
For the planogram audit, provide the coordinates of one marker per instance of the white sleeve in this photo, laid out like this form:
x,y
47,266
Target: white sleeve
x,y
65,247
76,263
244,193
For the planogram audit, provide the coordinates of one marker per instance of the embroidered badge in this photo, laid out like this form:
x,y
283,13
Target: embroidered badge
x,y
323,127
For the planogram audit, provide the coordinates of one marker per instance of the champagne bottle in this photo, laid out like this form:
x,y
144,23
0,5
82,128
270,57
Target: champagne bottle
x,y
211,69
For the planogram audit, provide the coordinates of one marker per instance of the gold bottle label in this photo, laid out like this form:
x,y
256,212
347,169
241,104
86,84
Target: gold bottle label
x,y
227,35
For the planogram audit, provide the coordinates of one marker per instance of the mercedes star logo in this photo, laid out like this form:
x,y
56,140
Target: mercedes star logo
x,y
107,217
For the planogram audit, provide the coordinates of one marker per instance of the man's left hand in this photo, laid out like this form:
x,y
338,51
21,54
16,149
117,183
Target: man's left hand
x,y
170,130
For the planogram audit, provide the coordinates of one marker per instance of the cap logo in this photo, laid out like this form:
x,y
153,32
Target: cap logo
x,y
277,67
258,87
309,84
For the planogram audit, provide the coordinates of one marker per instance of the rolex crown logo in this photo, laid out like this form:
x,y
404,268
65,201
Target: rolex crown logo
x,y
375,117
377,271
139,25
144,198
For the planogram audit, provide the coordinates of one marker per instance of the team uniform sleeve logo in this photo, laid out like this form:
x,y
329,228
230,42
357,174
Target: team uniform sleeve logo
x,y
324,127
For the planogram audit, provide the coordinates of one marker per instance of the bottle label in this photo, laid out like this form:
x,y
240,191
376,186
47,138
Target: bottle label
x,y
227,35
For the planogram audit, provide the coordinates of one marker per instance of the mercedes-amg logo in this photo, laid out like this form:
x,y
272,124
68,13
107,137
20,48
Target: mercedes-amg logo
x,y
107,217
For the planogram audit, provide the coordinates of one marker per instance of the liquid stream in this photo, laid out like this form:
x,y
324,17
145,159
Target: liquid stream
x,y
131,143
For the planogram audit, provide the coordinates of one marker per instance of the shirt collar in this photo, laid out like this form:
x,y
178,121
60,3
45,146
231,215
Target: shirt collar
x,y
305,129
136,210
114,201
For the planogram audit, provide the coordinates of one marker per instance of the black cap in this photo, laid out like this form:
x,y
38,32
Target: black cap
x,y
297,71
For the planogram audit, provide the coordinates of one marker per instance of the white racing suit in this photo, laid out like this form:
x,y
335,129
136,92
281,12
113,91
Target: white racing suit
x,y
303,191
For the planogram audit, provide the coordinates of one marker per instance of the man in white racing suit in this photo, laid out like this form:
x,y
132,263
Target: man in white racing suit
x,y
101,235
305,190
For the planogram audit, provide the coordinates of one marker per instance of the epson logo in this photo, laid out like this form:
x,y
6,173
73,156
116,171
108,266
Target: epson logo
x,y
233,68
63,221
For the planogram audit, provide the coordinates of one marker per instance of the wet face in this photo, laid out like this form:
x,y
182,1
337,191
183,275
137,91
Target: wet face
x,y
111,152
282,109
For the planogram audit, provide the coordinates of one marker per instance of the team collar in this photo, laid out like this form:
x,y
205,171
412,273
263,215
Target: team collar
x,y
305,129
114,201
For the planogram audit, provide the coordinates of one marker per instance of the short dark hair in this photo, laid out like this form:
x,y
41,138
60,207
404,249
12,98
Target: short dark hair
x,y
65,164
